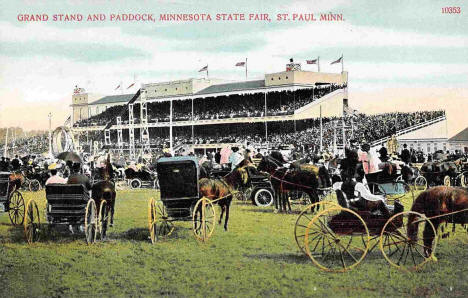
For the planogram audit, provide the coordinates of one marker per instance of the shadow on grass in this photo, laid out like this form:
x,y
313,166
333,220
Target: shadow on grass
x,y
271,211
290,258
142,234
59,234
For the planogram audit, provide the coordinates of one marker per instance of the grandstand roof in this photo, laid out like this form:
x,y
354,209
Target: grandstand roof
x,y
228,87
462,136
113,99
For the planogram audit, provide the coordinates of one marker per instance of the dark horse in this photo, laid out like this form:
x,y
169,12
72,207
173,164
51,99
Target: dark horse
x,y
442,204
286,180
105,190
221,190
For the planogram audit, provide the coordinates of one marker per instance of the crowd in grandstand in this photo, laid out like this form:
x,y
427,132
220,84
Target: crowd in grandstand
x,y
233,106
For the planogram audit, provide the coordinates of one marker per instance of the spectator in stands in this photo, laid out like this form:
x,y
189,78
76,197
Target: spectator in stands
x,y
77,178
54,178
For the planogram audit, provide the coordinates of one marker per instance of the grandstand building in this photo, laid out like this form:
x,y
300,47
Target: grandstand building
x,y
194,108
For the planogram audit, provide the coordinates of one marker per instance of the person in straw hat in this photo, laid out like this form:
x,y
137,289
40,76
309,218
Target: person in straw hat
x,y
54,178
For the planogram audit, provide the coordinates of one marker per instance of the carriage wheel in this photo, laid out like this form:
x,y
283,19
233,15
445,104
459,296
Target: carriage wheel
x,y
263,198
32,222
34,185
203,219
16,208
135,183
401,250
158,221
398,191
336,250
376,189
91,222
156,184
103,220
420,183
463,180
305,217
447,180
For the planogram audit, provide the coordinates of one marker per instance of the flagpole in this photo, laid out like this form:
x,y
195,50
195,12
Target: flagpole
x,y
246,68
318,63
342,65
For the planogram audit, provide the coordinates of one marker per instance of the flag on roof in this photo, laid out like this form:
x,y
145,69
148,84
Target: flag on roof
x,y
314,61
117,87
240,64
204,69
337,61
131,85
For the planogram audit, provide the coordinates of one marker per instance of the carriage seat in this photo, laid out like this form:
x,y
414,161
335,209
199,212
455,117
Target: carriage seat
x,y
68,192
350,198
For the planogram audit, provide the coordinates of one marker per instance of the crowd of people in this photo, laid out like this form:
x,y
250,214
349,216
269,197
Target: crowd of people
x,y
278,103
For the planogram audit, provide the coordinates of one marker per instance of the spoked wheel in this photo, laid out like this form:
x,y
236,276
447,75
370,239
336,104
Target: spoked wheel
x,y
263,198
398,191
103,220
159,223
239,196
329,240
447,180
203,219
135,183
305,217
16,208
91,222
404,243
463,179
32,222
34,185
420,183
376,189
300,198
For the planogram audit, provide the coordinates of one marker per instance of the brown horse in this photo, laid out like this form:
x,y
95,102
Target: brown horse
x,y
435,203
16,180
105,190
286,180
221,190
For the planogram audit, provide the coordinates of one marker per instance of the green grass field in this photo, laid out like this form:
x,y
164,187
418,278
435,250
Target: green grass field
x,y
256,257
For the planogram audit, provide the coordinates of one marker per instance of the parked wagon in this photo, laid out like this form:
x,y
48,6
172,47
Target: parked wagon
x,y
443,173
11,200
337,236
67,205
179,200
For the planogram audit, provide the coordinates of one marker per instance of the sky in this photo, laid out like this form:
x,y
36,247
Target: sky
x,y
400,55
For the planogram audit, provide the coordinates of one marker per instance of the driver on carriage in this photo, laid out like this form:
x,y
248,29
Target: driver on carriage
x,y
355,193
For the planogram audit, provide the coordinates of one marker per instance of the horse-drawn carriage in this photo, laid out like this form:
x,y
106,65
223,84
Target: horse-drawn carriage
x,y
142,178
336,236
389,184
68,205
180,200
446,173
11,200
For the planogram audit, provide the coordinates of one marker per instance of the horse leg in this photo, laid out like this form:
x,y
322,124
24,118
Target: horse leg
x,y
222,212
288,202
227,217
429,236
112,211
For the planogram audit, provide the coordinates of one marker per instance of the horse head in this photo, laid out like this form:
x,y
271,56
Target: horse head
x,y
269,164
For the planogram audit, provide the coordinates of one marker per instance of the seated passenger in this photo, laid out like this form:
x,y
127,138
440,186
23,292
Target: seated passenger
x,y
54,178
77,178
360,197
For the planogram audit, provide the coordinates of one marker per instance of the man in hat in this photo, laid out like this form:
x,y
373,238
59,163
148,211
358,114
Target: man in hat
x,y
77,178
54,178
